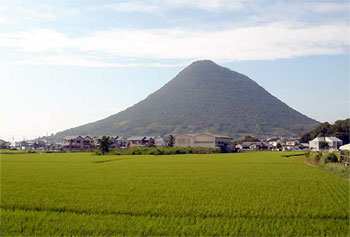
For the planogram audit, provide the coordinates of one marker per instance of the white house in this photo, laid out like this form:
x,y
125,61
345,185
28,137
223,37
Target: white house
x,y
332,142
291,144
274,141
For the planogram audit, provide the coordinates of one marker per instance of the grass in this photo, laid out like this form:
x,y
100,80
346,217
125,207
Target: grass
x,y
319,160
339,169
255,193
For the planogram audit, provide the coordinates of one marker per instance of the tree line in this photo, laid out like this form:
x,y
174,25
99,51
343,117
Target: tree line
x,y
340,129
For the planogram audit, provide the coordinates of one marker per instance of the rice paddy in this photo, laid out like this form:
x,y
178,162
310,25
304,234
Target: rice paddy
x,y
257,193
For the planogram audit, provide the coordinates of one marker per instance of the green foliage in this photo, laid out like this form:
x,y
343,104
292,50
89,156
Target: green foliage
x,y
163,150
338,169
248,139
320,158
315,157
7,151
344,156
204,97
328,158
340,129
307,154
241,194
104,143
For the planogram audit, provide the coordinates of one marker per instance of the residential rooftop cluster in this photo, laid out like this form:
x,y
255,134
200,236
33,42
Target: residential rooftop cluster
x,y
208,140
291,144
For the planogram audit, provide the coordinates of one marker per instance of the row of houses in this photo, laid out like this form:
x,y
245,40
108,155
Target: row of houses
x,y
75,143
23,145
224,143
36,145
290,144
274,143
91,142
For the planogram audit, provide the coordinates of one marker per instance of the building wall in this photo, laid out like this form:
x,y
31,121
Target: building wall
x,y
183,140
314,145
291,143
135,143
223,140
200,140
333,144
204,140
274,143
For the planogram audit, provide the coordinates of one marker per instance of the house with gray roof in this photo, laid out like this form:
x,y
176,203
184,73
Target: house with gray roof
x,y
140,141
4,144
253,146
79,143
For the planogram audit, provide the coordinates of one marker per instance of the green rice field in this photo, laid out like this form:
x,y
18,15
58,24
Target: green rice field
x,y
253,193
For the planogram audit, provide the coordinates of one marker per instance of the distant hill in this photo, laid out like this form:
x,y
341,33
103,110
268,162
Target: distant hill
x,y
204,97
340,129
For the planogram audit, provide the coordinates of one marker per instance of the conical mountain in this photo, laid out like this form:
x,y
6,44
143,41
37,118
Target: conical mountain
x,y
204,97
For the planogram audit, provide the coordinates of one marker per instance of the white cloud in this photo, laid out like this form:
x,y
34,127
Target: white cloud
x,y
43,14
156,5
295,7
38,41
104,48
69,59
72,12
132,6
211,5
4,19
12,14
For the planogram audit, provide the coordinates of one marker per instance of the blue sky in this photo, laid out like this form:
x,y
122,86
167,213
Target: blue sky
x,y
66,63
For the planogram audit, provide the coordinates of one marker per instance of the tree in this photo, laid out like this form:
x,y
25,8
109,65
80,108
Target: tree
x,y
340,129
248,139
104,143
323,145
171,141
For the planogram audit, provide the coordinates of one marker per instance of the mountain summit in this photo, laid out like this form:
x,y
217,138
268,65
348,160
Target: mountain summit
x,y
204,97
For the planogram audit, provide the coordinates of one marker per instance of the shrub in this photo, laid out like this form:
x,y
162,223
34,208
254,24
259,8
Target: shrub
x,y
307,154
98,153
339,169
328,158
316,156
